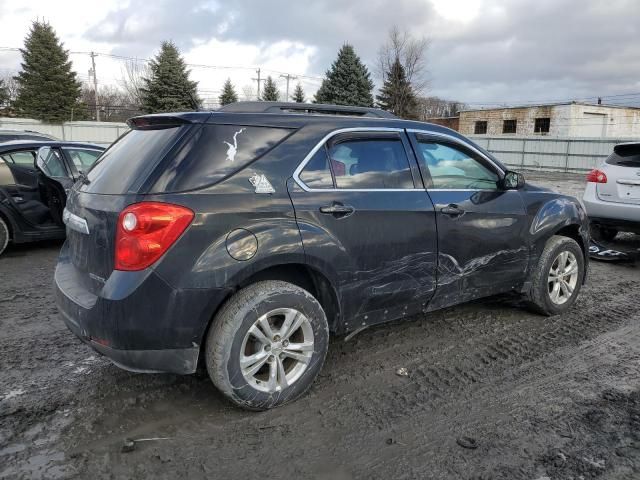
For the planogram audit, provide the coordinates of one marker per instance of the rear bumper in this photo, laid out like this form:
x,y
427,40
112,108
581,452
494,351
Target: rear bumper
x,y
176,360
623,213
136,319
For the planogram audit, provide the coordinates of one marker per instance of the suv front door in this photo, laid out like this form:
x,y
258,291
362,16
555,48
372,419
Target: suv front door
x,y
363,212
482,246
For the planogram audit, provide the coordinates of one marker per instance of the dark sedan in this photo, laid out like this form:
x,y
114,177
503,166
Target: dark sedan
x,y
34,179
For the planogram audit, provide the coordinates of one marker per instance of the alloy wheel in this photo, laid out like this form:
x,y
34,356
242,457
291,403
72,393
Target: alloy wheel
x,y
563,277
277,350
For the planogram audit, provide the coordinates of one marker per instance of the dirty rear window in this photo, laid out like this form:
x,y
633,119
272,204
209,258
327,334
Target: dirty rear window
x,y
129,158
625,156
215,152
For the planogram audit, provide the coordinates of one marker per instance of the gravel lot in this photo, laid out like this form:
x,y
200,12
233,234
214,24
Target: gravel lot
x,y
540,398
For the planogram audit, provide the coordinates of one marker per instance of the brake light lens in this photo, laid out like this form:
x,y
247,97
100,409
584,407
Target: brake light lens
x,y
596,176
145,232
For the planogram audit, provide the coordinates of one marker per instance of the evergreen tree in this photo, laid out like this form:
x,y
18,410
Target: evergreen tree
x,y
270,92
397,95
347,82
47,87
228,94
168,88
298,94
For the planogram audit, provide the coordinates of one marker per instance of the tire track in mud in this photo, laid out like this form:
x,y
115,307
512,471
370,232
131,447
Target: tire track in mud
x,y
470,364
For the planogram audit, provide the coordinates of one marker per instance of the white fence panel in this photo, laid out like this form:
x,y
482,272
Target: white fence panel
x,y
549,153
103,133
543,153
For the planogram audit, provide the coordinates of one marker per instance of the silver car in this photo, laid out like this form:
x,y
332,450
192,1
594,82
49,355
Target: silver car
x,y
612,196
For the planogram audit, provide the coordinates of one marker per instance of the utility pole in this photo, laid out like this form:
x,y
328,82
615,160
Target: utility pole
x,y
258,80
95,83
288,77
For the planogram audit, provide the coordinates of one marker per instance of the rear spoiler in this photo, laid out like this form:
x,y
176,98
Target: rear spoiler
x,y
164,120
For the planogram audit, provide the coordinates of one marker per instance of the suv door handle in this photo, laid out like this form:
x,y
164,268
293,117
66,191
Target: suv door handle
x,y
452,209
337,210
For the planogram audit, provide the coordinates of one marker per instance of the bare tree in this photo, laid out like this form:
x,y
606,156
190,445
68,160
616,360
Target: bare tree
x,y
249,93
12,87
132,80
412,53
434,107
114,103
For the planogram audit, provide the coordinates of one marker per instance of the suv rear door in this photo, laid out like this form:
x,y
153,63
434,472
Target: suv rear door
x,y
623,176
361,209
482,243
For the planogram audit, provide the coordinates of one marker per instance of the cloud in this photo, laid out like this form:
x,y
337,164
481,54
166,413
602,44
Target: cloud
x,y
498,51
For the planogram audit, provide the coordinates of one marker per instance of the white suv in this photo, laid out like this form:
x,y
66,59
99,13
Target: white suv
x,y
612,196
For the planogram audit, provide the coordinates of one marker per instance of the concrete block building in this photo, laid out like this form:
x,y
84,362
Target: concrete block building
x,y
572,119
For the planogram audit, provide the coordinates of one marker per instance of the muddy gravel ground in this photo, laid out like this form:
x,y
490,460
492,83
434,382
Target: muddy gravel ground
x,y
536,398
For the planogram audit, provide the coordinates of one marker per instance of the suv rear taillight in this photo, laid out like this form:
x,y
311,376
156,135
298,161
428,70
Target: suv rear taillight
x,y
145,232
596,176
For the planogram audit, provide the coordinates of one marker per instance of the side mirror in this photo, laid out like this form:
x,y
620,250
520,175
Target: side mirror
x,y
513,180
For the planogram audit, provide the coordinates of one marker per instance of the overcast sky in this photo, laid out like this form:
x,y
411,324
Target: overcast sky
x,y
502,51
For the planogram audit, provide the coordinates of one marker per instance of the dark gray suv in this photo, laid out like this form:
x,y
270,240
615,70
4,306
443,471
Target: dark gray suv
x,y
242,238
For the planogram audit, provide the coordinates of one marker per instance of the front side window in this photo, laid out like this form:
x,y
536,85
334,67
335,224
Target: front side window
x,y
370,163
316,173
452,168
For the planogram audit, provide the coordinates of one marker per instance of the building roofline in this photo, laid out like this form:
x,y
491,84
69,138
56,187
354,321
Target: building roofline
x,y
556,104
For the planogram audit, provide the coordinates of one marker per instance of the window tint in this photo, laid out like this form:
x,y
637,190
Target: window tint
x,y
480,128
82,159
214,153
316,173
120,165
370,163
451,168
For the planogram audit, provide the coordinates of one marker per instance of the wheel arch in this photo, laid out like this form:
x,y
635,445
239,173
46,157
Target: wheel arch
x,y
300,274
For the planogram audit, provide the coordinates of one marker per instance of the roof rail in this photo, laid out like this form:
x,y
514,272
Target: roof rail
x,y
304,108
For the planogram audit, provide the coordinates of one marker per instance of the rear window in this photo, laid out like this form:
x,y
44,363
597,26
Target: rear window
x,y
215,152
625,156
133,155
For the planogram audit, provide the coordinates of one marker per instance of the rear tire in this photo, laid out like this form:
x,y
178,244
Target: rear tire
x,y
4,235
267,345
557,279
605,234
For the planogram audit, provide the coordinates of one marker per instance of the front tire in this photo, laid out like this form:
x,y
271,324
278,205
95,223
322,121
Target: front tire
x,y
267,345
557,280
4,235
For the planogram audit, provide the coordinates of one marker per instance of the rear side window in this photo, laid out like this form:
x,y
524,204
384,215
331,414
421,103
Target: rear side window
x,y
134,153
625,156
215,152
370,163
